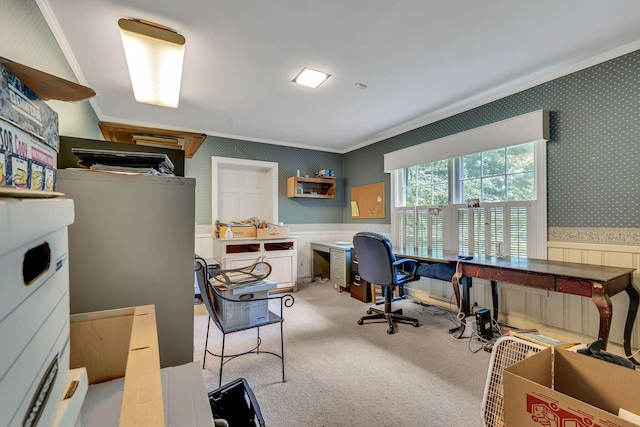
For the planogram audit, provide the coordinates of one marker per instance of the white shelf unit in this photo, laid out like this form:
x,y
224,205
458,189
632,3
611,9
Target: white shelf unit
x,y
280,253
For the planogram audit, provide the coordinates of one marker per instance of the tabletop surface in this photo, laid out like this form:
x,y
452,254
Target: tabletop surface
x,y
539,266
335,245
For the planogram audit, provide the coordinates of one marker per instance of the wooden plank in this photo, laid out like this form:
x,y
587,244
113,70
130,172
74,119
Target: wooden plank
x,y
574,287
48,86
142,396
118,132
523,278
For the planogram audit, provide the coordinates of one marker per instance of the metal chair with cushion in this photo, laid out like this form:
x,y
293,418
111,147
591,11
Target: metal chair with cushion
x,y
378,265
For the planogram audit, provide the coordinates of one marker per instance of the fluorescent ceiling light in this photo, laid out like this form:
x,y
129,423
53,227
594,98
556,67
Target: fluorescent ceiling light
x,y
311,78
155,54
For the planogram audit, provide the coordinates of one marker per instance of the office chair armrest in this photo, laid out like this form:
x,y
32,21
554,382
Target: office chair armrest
x,y
407,265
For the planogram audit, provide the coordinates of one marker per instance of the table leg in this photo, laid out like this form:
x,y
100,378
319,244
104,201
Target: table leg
x,y
455,281
631,318
494,297
467,283
603,304
456,289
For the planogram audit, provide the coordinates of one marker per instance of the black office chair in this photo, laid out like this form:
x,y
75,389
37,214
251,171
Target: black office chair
x,y
378,265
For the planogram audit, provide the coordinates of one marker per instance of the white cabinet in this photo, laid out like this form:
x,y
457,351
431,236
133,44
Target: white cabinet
x,y
281,254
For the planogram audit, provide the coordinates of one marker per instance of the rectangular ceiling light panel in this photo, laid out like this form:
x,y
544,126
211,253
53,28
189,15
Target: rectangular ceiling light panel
x,y
155,55
311,78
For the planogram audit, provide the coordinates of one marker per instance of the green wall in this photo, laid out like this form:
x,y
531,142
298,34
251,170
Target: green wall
x,y
25,37
593,158
290,160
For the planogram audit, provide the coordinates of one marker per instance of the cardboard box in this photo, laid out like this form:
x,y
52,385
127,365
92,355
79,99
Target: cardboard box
x,y
557,387
34,308
273,233
25,161
244,311
21,105
239,231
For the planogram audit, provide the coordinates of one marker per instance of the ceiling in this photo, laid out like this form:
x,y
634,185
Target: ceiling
x,y
421,60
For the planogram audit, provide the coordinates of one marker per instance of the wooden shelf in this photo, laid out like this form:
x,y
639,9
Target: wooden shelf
x,y
312,188
117,132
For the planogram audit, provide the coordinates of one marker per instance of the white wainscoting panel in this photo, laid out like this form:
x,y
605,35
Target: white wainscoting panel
x,y
306,234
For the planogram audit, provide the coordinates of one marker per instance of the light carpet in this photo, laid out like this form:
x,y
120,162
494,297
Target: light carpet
x,y
339,373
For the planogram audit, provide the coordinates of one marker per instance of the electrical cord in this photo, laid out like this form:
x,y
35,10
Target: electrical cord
x,y
459,319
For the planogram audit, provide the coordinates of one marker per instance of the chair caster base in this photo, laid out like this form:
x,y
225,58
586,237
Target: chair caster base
x,y
390,331
360,321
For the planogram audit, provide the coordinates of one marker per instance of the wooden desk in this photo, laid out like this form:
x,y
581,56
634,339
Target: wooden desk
x,y
597,282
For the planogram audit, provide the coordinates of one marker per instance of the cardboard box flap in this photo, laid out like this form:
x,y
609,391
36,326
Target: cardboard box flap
x,y
535,369
601,384
47,86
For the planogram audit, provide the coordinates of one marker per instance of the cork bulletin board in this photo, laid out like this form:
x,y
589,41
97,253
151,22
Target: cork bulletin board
x,y
367,201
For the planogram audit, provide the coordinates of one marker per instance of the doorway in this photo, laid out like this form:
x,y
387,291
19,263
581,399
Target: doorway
x,y
242,189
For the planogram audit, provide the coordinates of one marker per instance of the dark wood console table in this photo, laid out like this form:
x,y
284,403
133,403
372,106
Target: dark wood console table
x,y
597,282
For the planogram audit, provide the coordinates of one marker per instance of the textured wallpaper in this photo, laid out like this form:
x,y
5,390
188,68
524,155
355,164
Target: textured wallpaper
x,y
25,37
593,157
593,172
290,160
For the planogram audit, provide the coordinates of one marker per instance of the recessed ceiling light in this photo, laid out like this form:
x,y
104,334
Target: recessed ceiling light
x,y
311,78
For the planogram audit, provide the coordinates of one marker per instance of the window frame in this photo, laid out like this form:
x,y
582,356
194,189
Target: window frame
x,y
537,209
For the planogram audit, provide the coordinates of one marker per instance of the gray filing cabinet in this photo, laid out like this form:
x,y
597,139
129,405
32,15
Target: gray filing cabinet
x,y
338,267
132,244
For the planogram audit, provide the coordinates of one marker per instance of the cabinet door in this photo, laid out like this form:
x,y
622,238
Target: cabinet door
x,y
281,269
239,261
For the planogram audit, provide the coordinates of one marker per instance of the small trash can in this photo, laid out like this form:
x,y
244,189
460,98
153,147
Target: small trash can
x,y
236,403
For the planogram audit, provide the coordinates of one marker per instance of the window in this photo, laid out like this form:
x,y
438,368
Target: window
x,y
506,174
427,185
510,185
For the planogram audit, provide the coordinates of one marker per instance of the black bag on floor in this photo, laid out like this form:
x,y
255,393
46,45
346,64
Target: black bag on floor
x,y
594,349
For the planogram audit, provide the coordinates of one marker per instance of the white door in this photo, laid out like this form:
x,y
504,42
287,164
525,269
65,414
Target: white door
x,y
242,189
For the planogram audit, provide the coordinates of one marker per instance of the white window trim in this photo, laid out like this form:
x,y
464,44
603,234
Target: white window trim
x,y
537,237
517,130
